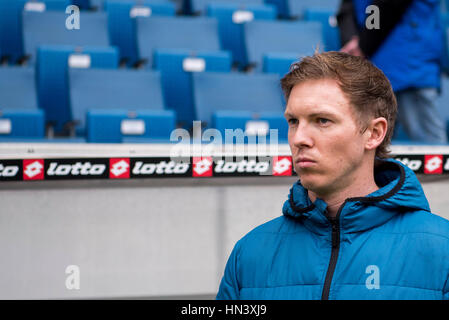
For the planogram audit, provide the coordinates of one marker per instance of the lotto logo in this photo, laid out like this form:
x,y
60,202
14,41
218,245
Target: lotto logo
x,y
33,169
433,164
119,168
202,167
282,166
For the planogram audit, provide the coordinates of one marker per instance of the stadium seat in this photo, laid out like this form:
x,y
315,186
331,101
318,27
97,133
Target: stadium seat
x,y
112,126
52,67
95,5
331,33
297,9
11,40
122,24
176,67
17,88
49,28
253,125
235,92
288,9
112,89
191,33
199,7
231,18
278,63
21,124
300,38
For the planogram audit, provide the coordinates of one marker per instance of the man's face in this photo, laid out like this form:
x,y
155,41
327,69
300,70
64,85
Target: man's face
x,y
324,137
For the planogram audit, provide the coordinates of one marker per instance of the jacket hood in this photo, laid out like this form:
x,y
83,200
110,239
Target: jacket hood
x,y
399,192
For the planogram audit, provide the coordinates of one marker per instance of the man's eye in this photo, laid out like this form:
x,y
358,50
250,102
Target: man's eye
x,y
292,121
323,121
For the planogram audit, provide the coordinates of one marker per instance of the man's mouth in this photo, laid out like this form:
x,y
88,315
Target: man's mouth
x,y
304,162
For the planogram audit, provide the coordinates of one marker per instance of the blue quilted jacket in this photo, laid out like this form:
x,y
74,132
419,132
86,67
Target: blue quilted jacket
x,y
387,245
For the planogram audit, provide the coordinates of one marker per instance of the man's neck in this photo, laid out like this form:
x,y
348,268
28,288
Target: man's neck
x,y
358,188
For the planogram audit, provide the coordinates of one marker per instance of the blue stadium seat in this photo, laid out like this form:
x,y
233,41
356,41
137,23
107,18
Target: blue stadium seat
x,y
112,89
122,24
199,7
295,37
83,4
176,67
331,33
49,28
113,126
235,92
21,124
52,67
278,63
17,88
296,8
191,33
231,18
252,124
100,5
11,40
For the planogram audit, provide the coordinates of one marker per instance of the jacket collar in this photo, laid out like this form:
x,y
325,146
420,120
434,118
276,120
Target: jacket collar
x,y
399,192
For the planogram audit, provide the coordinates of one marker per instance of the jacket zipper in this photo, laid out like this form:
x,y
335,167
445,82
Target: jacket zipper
x,y
335,224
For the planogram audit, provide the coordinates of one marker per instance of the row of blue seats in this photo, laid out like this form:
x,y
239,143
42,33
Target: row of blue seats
x,y
120,105
145,126
117,93
176,68
286,8
246,32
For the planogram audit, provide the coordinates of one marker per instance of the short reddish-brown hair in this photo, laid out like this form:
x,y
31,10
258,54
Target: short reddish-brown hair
x,y
366,87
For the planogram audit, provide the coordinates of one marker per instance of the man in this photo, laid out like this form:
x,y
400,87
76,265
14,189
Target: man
x,y
356,225
407,45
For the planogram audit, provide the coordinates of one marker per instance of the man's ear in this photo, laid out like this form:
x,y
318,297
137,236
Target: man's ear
x,y
375,133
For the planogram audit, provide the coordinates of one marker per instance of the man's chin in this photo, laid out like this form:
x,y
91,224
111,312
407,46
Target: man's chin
x,y
312,183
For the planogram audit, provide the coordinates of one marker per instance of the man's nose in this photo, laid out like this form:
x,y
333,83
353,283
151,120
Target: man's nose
x,y
302,137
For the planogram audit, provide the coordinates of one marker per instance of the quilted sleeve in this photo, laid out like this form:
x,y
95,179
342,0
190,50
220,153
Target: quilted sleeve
x,y
229,287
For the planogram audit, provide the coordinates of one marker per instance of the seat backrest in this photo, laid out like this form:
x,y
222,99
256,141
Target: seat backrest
x,y
11,40
191,33
112,89
200,6
177,67
17,88
296,8
122,16
231,18
295,37
231,91
21,123
278,63
49,28
331,32
105,126
53,62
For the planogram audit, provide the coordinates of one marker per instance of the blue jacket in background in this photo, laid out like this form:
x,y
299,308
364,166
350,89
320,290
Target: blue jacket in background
x,y
410,56
387,245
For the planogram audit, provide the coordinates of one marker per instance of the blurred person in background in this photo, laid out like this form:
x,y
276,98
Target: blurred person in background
x,y
403,38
